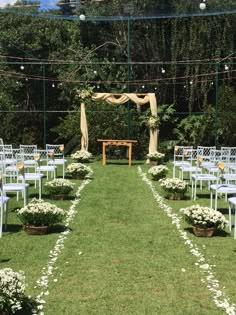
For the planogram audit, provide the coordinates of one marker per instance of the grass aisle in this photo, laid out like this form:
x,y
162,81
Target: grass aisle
x,y
124,256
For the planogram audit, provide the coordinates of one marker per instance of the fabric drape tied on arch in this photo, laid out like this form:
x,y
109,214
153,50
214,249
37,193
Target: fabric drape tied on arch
x,y
115,99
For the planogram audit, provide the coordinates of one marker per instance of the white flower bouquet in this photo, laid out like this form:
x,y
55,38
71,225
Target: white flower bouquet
x,y
173,186
153,122
40,213
12,291
82,156
158,172
59,186
78,170
204,217
156,156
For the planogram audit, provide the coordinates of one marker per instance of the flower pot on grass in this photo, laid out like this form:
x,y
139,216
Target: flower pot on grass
x,y
158,172
174,188
38,215
82,156
78,171
203,232
204,220
155,158
59,188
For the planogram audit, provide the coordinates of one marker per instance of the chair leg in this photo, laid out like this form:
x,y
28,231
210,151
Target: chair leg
x,y
230,224
1,221
6,217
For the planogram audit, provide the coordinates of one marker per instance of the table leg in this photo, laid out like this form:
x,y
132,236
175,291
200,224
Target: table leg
x,y
103,153
130,153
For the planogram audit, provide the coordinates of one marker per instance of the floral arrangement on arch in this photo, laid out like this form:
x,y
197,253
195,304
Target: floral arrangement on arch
x,y
40,213
59,186
153,122
85,92
173,186
156,156
78,170
12,291
82,156
204,217
158,172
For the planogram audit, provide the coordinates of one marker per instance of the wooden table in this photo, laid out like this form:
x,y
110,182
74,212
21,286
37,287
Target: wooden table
x,y
106,142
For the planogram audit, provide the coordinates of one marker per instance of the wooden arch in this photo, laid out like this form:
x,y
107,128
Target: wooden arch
x,y
118,99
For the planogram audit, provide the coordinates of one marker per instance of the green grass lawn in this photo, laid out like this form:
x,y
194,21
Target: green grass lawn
x,y
123,254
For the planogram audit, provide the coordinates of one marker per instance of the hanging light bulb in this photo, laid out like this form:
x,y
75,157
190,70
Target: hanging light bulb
x,y
226,68
22,68
163,70
53,85
202,5
82,17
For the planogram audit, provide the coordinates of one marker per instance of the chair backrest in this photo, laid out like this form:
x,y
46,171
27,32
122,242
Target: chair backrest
x,y
215,156
44,155
204,152
28,148
182,152
57,148
231,152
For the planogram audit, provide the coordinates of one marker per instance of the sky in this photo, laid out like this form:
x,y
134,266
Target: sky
x,y
44,3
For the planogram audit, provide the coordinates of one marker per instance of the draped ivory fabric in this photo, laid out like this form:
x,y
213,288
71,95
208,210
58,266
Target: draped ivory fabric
x,y
121,99
83,127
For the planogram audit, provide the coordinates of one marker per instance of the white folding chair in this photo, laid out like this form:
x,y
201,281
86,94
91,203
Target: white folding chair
x,y
4,207
59,158
15,187
45,164
181,157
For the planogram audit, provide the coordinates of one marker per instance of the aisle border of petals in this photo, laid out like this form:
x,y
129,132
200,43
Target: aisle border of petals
x,y
219,297
47,272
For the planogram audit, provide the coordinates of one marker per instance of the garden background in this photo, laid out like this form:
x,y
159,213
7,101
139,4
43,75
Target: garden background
x,y
173,48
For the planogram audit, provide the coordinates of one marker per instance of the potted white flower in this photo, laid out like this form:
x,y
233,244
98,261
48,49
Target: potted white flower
x,y
59,188
78,170
155,157
38,215
174,188
82,156
204,220
12,291
158,172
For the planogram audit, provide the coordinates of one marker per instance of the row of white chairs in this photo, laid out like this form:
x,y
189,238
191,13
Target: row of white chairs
x,y
35,163
215,167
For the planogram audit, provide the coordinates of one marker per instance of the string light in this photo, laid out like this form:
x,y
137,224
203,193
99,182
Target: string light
x,y
202,5
82,17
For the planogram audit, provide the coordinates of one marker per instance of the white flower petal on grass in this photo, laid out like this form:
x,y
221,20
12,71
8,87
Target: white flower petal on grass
x,y
219,297
47,272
